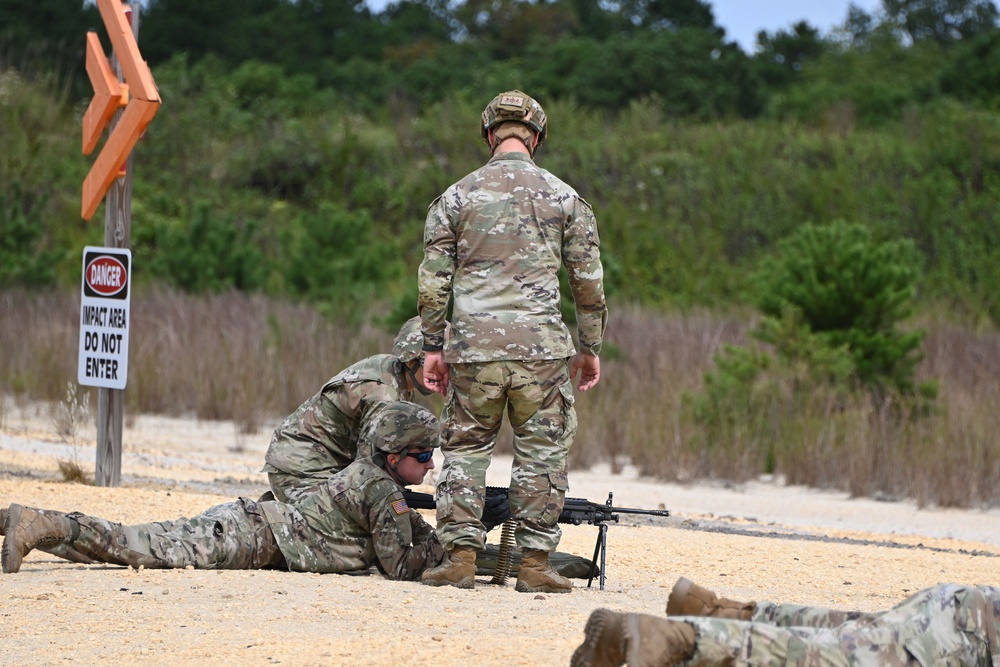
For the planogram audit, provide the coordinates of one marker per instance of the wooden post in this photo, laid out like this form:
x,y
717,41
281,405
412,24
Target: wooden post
x,y
117,234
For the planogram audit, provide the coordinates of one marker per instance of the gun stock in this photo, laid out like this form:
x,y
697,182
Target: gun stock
x,y
419,501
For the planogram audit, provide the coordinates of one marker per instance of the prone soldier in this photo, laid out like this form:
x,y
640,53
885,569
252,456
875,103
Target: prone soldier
x,y
947,624
355,519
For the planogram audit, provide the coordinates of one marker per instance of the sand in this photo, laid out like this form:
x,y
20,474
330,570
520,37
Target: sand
x,y
762,540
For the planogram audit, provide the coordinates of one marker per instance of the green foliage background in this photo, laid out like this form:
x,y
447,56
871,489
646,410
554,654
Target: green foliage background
x,y
299,144
292,131
251,180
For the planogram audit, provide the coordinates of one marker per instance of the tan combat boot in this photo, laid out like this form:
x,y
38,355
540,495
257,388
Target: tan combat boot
x,y
537,576
612,639
604,641
61,550
689,599
26,529
458,569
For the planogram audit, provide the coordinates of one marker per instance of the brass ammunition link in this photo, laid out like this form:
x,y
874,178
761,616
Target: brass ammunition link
x,y
505,557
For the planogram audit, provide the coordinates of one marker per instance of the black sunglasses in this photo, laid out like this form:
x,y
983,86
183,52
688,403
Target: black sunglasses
x,y
421,457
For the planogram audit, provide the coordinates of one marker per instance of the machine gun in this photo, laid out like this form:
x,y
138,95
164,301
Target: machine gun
x,y
576,511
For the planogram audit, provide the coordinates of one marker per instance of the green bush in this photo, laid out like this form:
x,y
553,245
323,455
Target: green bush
x,y
333,257
25,259
851,292
831,299
207,252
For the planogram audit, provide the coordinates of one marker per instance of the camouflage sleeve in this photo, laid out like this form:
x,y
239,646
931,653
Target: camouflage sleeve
x,y
582,256
424,534
355,399
401,553
421,529
435,274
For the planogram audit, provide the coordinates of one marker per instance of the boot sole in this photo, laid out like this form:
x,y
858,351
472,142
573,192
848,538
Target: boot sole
x,y
467,583
583,656
3,522
10,556
675,601
521,587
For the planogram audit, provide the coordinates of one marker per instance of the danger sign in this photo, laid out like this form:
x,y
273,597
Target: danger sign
x,y
104,317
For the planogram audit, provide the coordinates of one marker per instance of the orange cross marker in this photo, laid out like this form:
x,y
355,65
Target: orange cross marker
x,y
139,96
108,94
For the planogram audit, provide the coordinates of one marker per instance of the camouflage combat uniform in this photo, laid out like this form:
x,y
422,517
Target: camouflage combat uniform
x,y
356,519
944,625
321,437
493,245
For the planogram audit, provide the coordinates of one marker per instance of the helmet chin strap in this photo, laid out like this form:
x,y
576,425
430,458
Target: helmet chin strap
x,y
391,469
424,391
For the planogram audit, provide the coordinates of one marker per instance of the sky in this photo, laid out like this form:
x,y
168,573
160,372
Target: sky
x,y
743,19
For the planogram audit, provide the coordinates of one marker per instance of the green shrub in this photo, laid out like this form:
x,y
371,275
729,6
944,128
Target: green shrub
x,y
333,258
208,252
25,258
851,293
831,299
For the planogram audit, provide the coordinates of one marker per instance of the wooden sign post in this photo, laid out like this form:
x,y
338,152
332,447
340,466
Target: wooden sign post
x,y
125,99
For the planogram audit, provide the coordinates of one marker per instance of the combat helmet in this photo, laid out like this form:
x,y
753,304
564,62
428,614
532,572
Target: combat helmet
x,y
409,341
394,427
517,107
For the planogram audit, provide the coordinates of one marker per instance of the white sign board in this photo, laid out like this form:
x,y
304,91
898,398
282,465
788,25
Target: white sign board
x,y
104,317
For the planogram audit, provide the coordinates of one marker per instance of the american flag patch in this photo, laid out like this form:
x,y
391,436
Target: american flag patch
x,y
400,506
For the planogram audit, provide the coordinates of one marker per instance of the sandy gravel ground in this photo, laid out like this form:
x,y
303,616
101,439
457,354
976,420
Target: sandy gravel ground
x,y
759,541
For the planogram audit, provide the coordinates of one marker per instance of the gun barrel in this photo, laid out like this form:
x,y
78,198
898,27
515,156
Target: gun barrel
x,y
631,510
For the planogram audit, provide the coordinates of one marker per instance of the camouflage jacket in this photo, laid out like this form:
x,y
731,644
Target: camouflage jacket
x,y
357,519
493,244
321,436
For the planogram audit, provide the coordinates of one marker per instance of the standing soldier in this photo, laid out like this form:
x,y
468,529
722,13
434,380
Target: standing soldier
x,y
321,437
493,246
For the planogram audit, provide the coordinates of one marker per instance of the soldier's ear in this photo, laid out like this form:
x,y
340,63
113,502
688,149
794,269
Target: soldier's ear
x,y
392,460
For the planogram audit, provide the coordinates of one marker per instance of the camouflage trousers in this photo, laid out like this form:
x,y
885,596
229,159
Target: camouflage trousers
x,y
233,536
943,625
538,399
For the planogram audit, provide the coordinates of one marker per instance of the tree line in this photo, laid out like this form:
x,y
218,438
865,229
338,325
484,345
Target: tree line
x,y
601,54
302,166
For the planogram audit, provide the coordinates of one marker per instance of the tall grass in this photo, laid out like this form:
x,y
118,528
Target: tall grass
x,y
641,413
227,356
251,358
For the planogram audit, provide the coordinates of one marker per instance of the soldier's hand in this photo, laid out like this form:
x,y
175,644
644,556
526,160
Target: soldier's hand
x,y
435,372
588,367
